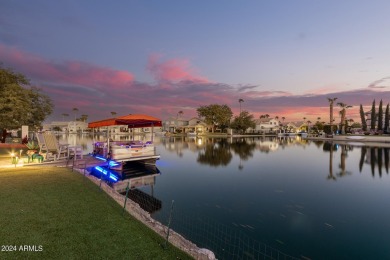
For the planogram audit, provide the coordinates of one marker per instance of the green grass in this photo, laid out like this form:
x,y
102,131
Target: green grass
x,y
70,218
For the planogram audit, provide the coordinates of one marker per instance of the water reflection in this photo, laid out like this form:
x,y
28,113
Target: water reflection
x,y
377,158
216,154
133,180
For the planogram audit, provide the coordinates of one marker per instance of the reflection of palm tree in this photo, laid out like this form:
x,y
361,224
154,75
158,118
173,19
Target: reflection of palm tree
x,y
343,156
330,176
240,166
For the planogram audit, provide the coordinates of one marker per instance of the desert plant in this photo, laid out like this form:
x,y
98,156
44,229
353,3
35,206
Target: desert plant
x,y
31,145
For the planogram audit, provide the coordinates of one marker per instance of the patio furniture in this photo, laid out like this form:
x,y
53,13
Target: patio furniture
x,y
55,150
76,151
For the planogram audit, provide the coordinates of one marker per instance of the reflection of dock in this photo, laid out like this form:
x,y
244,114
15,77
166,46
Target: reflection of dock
x,y
129,180
147,202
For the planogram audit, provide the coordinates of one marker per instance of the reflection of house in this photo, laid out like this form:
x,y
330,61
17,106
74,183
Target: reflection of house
x,y
194,125
67,126
266,125
268,146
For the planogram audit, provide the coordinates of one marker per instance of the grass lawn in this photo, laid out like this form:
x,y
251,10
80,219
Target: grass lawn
x,y
66,216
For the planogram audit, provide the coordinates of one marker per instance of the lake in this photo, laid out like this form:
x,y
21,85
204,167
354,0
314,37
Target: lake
x,y
306,199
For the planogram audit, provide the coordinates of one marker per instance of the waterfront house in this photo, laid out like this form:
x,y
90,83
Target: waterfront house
x,y
266,125
194,125
68,127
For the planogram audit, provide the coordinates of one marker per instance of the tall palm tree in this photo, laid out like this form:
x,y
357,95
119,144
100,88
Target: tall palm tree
x,y
240,101
75,110
343,113
64,115
308,126
179,114
331,100
84,118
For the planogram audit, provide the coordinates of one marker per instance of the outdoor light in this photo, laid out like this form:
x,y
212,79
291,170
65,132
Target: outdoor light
x,y
14,158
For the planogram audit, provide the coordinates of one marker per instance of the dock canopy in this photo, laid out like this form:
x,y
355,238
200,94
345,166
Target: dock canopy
x,y
132,121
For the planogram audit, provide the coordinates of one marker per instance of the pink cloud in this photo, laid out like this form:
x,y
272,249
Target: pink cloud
x,y
69,72
97,91
172,70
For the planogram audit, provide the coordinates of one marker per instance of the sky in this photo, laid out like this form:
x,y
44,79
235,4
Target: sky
x,y
283,58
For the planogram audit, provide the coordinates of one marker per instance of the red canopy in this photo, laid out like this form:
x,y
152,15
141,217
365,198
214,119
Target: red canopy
x,y
133,121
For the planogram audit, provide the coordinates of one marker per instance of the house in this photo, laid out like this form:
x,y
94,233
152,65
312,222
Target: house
x,y
194,125
266,125
68,127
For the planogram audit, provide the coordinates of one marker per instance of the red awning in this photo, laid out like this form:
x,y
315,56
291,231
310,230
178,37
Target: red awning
x,y
132,121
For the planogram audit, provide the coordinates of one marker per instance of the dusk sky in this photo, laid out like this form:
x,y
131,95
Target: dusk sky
x,y
282,57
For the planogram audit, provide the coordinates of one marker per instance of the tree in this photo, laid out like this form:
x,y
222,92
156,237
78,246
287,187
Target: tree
x,y
84,118
40,106
75,110
113,113
240,101
380,116
20,103
363,118
386,127
179,114
243,122
373,115
331,101
64,115
216,115
343,113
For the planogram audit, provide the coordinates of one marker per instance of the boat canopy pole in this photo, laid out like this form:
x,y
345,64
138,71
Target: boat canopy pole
x,y
152,131
108,140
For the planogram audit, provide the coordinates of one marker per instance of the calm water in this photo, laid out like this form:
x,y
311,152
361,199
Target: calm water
x,y
307,199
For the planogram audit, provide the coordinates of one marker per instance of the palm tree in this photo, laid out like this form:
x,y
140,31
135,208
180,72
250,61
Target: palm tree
x,y
308,126
179,114
343,113
113,113
64,115
331,100
75,110
318,119
240,101
84,118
